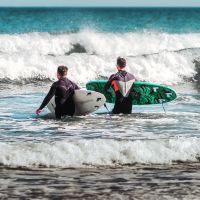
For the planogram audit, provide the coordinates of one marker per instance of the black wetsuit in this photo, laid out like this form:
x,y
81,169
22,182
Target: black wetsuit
x,y
122,83
63,90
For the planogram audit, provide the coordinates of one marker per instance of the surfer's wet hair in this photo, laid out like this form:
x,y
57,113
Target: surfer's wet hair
x,y
121,62
62,70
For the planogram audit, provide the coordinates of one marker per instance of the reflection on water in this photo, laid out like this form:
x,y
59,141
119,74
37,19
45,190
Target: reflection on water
x,y
145,155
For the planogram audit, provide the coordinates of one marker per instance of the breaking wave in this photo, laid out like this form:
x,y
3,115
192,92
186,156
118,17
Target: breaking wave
x,y
99,152
156,57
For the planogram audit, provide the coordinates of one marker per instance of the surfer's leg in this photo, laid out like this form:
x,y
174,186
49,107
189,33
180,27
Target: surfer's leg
x,y
127,105
123,106
58,116
68,108
58,113
116,109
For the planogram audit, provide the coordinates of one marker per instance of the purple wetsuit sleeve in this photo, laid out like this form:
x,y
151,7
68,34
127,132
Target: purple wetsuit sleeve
x,y
75,86
135,78
48,97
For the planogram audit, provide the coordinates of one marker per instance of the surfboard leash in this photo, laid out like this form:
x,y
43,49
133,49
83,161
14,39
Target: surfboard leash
x,y
107,109
163,107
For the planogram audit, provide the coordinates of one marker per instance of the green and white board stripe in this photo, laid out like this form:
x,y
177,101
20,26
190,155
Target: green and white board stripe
x,y
143,93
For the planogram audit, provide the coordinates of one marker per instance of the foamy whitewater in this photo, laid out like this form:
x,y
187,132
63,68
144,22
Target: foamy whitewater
x,y
90,54
150,154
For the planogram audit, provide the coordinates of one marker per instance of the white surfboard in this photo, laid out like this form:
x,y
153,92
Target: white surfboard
x,y
86,102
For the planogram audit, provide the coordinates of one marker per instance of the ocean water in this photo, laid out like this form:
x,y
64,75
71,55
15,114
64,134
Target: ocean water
x,y
149,154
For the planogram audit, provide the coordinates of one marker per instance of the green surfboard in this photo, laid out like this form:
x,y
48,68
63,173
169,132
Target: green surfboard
x,y
143,93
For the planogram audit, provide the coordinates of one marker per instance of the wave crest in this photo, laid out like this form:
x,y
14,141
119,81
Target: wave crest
x,y
90,54
94,153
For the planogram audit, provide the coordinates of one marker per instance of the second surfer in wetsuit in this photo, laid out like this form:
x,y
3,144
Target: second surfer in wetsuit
x,y
63,89
122,83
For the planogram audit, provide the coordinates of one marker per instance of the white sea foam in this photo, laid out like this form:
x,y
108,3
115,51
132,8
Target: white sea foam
x,y
93,153
155,57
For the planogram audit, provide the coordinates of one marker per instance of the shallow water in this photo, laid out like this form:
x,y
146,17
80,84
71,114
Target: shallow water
x,y
149,154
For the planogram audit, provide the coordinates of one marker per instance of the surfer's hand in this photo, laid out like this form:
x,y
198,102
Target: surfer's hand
x,y
38,111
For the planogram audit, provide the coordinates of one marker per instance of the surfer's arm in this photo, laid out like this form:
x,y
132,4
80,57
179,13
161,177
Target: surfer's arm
x,y
107,86
76,87
135,79
109,83
50,94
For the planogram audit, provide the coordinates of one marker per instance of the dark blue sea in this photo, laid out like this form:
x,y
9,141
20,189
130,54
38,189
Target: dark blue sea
x,y
150,154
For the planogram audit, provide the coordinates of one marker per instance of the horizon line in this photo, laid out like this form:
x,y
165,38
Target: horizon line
x,y
53,6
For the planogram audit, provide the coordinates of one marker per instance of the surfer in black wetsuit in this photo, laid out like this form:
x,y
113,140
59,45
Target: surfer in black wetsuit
x,y
63,89
122,83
